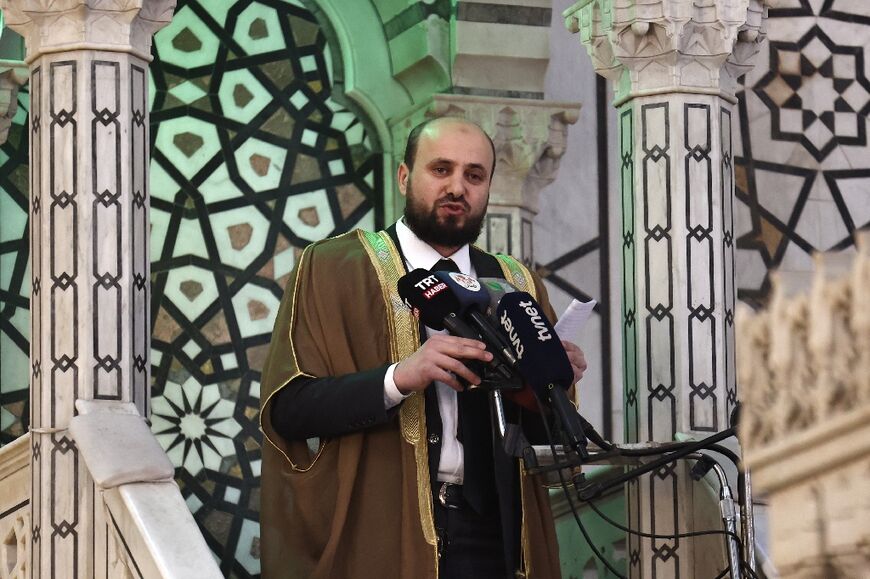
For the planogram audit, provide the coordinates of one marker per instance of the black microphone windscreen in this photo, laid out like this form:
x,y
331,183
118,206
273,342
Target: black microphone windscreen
x,y
428,297
541,356
467,290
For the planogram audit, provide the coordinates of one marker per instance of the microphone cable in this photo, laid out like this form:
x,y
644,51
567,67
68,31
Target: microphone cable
x,y
567,493
686,535
636,452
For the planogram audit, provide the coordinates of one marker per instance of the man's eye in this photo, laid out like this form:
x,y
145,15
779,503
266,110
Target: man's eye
x,y
475,177
440,170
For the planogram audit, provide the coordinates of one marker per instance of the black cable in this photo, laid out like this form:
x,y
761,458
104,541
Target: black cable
x,y
622,527
669,447
567,493
660,450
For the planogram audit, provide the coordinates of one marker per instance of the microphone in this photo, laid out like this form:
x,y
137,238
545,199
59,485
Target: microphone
x,y
542,360
474,301
434,302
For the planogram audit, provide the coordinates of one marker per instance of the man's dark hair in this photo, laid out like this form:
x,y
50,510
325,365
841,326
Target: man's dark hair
x,y
414,139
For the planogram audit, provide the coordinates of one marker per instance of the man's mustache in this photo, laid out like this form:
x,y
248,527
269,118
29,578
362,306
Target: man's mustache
x,y
450,198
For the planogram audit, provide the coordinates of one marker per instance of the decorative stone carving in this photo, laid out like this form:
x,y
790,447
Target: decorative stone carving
x,y
15,548
666,46
13,75
112,25
15,557
801,362
530,139
805,430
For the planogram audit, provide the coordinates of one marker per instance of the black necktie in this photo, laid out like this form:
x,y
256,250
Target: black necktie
x,y
445,265
474,432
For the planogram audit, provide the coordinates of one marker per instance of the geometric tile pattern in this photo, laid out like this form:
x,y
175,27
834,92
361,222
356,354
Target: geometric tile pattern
x,y
252,160
15,277
802,160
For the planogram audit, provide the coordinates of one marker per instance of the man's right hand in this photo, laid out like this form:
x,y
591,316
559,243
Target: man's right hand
x,y
440,359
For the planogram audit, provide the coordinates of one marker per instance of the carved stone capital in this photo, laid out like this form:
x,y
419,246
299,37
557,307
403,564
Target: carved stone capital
x,y
660,46
530,137
13,75
61,25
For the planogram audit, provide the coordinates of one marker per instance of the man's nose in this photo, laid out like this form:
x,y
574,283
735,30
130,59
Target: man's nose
x,y
457,184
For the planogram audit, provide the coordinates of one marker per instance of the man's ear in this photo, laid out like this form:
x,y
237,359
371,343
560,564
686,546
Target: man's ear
x,y
402,176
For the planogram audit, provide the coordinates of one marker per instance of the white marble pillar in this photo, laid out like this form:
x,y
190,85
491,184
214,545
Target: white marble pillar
x,y
90,329
674,64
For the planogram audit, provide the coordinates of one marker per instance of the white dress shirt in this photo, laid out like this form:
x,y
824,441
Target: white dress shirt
x,y
419,254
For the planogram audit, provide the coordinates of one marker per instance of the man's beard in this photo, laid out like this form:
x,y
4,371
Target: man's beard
x,y
446,232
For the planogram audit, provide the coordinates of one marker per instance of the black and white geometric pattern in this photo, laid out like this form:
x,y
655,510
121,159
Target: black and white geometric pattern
x,y
802,161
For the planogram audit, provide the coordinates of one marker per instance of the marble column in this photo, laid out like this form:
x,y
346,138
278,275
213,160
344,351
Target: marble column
x,y
674,65
90,329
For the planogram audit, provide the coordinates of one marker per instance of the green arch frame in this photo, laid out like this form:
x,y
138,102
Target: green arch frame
x,y
389,58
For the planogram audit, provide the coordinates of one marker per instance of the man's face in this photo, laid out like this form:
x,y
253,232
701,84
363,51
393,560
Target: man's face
x,y
448,189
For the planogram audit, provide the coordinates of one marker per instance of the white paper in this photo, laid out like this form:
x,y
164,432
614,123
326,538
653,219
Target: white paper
x,y
571,323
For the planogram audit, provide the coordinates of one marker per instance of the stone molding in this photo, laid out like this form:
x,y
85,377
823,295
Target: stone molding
x,y
502,49
13,75
663,46
67,25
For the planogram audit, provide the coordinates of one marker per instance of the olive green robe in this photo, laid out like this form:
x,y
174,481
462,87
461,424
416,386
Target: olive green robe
x,y
359,505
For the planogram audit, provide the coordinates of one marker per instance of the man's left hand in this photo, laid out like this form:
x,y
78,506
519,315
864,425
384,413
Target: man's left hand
x,y
577,359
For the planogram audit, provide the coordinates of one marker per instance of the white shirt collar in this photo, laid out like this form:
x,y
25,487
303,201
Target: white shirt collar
x,y
419,254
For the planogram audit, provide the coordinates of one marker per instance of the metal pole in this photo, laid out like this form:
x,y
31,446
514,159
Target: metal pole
x,y
729,516
748,521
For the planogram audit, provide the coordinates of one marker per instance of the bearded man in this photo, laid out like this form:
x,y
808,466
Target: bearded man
x,y
376,463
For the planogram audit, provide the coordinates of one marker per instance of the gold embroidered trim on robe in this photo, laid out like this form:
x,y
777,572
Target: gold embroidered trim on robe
x,y
296,373
404,340
517,274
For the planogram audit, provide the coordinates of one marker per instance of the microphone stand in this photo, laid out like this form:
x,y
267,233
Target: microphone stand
x,y
593,490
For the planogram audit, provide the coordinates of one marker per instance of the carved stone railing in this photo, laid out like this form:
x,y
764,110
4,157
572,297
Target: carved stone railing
x,y
151,531
15,509
804,371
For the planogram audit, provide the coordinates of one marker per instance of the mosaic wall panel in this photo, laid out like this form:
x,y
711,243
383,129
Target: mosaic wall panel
x,y
252,160
802,161
14,278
